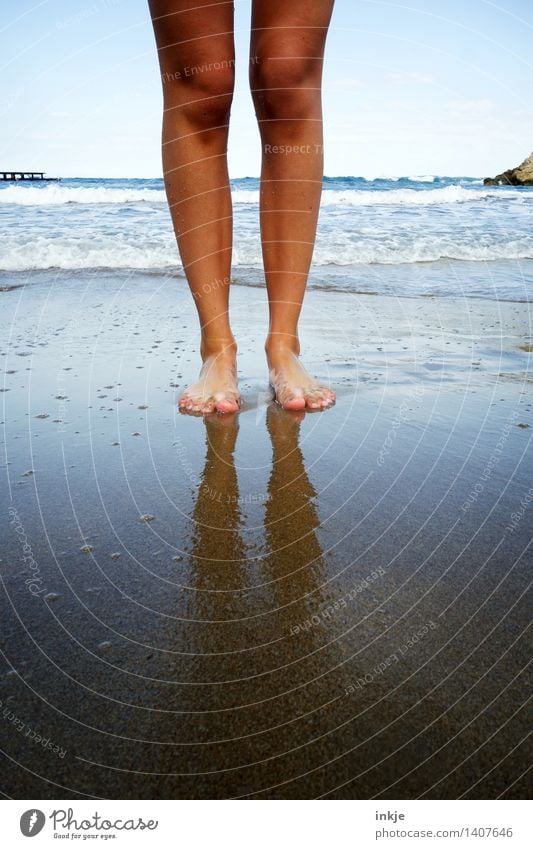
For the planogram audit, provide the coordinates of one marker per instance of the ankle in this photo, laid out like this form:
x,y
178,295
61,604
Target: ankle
x,y
277,342
217,345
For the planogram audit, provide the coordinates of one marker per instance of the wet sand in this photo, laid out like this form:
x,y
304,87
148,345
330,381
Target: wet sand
x,y
263,605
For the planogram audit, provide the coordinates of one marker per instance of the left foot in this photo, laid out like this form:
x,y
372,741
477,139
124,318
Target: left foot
x,y
216,389
293,386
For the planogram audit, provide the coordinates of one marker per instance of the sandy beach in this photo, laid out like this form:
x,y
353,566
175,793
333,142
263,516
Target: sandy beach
x,y
263,605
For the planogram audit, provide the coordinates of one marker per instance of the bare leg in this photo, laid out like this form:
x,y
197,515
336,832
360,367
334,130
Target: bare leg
x,y
286,56
196,55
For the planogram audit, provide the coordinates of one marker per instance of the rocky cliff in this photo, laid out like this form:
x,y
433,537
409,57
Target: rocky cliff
x,y
520,176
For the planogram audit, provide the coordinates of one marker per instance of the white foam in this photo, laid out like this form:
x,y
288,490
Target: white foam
x,y
54,195
158,251
83,253
399,197
412,197
245,196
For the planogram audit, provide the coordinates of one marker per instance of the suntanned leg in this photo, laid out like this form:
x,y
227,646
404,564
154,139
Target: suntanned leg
x,y
196,55
286,58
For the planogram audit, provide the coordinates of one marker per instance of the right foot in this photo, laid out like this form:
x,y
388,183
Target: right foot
x,y
294,388
216,389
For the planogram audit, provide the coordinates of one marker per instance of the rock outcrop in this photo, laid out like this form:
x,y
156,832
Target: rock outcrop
x,y
520,176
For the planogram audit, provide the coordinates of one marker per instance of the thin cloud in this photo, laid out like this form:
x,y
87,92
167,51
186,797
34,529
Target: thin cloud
x,y
481,106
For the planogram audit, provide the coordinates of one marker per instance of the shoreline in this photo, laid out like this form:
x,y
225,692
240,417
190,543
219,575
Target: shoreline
x,y
428,280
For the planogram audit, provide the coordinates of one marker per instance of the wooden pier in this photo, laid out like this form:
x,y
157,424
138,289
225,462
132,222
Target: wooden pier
x,y
14,176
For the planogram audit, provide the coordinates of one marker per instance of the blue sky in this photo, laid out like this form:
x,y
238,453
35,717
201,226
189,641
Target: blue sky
x,y
421,87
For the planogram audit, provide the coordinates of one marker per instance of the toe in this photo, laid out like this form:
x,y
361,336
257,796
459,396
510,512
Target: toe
x,y
196,404
294,403
227,405
320,398
326,400
202,405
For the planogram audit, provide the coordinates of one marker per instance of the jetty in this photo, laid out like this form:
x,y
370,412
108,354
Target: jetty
x,y
13,176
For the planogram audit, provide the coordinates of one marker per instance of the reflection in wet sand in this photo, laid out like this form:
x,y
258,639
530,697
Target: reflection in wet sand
x,y
273,573
217,519
291,518
282,566
261,685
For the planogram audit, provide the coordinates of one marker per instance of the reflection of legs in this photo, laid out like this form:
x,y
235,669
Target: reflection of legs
x,y
217,515
291,518
196,54
287,51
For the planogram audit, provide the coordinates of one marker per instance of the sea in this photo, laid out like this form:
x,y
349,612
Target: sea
x,y
414,236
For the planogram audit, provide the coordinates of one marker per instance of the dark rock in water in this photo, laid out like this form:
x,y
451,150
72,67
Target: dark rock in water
x,y
520,176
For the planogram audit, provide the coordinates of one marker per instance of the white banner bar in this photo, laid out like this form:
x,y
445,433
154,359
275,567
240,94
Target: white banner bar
x,y
267,825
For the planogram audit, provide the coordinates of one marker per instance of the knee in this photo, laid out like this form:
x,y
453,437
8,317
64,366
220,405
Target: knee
x,y
202,93
285,87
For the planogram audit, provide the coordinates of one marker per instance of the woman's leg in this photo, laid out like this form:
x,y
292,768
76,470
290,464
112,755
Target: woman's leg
x,y
286,57
196,55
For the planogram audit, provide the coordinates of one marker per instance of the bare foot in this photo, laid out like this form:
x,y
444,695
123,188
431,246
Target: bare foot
x,y
293,386
216,388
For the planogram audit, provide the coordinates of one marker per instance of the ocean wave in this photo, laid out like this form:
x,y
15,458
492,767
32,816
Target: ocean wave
x,y
158,251
395,251
398,197
54,195
414,197
77,254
